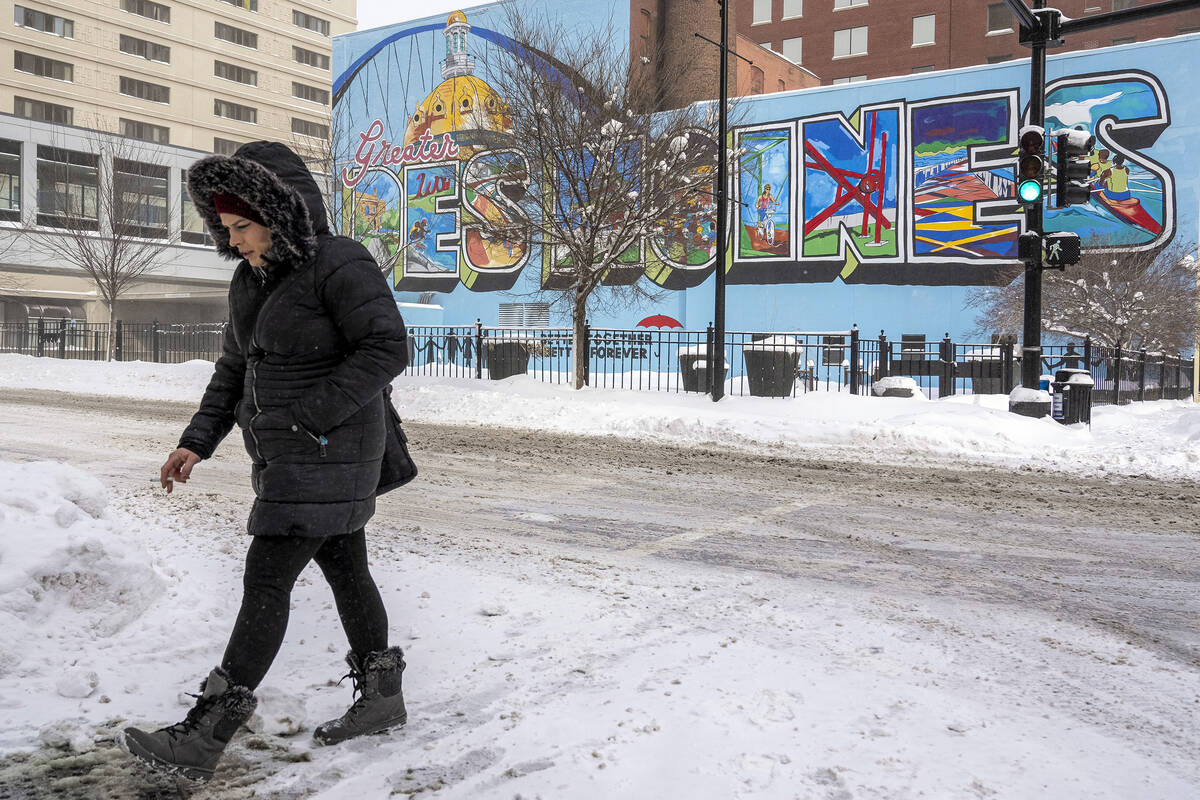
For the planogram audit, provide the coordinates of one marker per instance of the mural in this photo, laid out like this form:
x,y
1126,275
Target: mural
x,y
912,188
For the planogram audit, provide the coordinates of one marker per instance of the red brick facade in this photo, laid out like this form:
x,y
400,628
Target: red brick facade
x,y
960,33
663,32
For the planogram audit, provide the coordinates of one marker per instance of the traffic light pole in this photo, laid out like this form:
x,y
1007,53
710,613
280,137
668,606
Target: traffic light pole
x,y
1031,347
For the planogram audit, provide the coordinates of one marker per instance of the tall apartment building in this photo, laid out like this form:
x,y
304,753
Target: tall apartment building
x,y
844,41
171,80
205,74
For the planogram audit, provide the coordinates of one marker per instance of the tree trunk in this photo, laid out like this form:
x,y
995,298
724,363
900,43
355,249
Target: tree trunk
x,y
112,335
579,345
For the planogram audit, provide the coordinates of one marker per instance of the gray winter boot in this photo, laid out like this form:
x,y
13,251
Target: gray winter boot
x,y
380,704
193,747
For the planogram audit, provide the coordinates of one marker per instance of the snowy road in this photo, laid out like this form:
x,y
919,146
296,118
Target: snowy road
x,y
678,622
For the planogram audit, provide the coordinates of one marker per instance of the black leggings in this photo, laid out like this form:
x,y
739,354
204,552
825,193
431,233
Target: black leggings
x,y
272,565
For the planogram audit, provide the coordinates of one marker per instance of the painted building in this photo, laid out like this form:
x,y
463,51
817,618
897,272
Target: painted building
x,y
876,203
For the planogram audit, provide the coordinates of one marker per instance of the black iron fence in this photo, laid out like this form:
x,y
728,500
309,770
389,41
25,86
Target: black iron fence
x,y
141,341
765,364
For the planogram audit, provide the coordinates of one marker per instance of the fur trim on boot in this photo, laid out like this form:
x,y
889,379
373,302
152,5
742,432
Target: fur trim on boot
x,y
192,748
380,705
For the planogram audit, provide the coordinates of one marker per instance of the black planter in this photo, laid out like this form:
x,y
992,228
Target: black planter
x,y
694,369
771,373
505,358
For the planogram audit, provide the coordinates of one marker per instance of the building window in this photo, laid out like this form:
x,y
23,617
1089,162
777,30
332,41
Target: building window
x,y
1190,29
192,229
793,49
139,199
923,29
228,110
1124,40
309,58
762,12
925,68
850,42
309,22
10,180
999,18
232,72
43,111
848,4
144,131
151,51
314,129
41,21
225,147
756,80
1000,59
144,90
68,187
237,36
793,8
249,5
850,79
43,67
310,93
148,9
781,86
1121,5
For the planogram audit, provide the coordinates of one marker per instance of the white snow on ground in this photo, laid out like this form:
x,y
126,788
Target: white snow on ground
x,y
539,672
1160,439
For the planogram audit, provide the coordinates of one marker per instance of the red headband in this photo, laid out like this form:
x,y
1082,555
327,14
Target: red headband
x,y
232,204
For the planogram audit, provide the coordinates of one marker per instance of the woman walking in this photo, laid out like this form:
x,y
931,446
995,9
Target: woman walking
x,y
314,338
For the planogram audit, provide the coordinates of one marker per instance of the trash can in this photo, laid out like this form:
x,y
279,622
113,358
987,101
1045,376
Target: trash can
x,y
1072,399
505,358
693,367
771,366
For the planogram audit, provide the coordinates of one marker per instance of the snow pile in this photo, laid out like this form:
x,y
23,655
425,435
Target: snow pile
x,y
65,573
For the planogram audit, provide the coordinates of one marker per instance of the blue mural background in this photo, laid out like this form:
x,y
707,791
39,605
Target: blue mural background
x,y
1134,97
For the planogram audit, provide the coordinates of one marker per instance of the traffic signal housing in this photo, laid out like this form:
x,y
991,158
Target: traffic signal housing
x,y
1073,167
1031,166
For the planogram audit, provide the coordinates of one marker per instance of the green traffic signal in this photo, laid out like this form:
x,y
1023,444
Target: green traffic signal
x,y
1030,191
1031,166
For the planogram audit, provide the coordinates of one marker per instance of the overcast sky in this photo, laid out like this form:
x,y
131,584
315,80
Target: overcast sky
x,y
375,13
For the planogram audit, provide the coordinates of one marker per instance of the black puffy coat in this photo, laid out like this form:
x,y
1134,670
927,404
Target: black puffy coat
x,y
312,341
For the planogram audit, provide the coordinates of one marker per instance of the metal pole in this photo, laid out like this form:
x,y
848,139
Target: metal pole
x,y
716,354
1031,348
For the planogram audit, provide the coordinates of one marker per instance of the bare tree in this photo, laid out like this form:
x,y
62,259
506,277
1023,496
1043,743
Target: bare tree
x,y
1140,299
112,211
605,171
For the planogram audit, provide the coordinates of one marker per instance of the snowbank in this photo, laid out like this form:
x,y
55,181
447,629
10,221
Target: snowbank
x,y
66,573
1155,438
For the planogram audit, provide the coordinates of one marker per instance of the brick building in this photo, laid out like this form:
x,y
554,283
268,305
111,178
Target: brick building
x,y
844,41
663,32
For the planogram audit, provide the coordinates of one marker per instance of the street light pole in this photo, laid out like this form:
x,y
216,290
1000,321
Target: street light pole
x,y
716,352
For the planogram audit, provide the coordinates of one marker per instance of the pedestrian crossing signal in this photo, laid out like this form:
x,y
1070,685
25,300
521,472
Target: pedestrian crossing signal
x,y
1061,250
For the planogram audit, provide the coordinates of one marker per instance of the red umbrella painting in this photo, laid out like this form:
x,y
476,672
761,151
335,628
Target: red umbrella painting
x,y
660,321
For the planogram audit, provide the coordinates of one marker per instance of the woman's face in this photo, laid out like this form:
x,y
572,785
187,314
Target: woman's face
x,y
251,239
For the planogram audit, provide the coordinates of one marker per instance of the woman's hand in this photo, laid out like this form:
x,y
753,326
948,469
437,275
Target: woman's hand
x,y
178,467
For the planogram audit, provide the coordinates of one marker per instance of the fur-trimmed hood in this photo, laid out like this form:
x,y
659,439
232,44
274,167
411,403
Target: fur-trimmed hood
x,y
273,179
